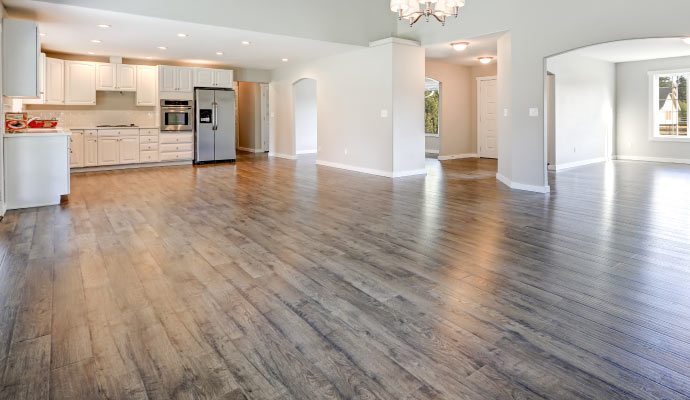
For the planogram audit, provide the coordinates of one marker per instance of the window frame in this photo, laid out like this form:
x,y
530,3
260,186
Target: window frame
x,y
437,134
653,101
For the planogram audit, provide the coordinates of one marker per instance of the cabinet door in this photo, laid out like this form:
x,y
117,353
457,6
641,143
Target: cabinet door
x,y
184,80
55,81
41,82
108,151
76,149
129,150
80,83
203,77
147,92
126,77
106,78
168,78
223,78
90,152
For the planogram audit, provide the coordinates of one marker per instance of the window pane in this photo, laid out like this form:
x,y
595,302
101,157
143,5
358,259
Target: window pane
x,y
431,98
672,117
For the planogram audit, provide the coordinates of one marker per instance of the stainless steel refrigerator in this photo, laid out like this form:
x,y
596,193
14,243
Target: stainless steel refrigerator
x,y
215,126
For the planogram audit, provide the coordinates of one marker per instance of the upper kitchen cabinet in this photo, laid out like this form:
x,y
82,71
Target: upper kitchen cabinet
x,y
21,50
175,82
55,81
80,83
147,88
41,82
117,77
209,77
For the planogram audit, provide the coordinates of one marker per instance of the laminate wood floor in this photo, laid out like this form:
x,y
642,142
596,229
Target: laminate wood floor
x,y
276,279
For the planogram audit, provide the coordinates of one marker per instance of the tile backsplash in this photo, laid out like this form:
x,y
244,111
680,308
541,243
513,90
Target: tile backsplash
x,y
93,118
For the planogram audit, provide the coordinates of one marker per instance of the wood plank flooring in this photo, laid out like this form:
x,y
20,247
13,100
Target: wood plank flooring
x,y
276,279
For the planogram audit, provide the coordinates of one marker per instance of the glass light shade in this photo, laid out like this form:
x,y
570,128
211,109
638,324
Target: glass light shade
x,y
397,5
422,2
455,3
460,46
442,8
686,40
485,60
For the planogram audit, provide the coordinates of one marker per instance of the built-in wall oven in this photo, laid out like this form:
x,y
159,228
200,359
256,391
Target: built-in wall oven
x,y
177,115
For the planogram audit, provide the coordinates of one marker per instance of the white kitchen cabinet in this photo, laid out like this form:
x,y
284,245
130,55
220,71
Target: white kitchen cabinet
x,y
90,151
21,48
76,149
185,81
105,76
203,77
108,150
176,82
41,82
129,150
55,81
223,78
209,77
126,77
147,89
80,83
168,78
116,77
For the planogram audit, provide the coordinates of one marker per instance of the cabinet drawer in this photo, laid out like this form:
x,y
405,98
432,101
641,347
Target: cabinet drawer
x,y
118,132
91,133
177,138
148,139
148,132
172,148
148,146
148,156
182,155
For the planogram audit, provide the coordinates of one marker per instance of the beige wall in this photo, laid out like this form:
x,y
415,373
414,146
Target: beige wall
x,y
249,110
458,119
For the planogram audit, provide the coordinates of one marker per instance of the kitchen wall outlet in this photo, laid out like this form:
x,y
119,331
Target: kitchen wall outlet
x,y
273,115
533,112
505,112
384,113
346,151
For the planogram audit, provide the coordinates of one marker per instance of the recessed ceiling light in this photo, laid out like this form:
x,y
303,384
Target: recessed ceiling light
x,y
149,58
459,46
220,53
41,34
90,52
246,42
181,35
104,26
485,60
162,48
96,41
686,40
285,60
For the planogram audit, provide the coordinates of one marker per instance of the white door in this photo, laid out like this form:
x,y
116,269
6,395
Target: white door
x,y
129,150
223,78
55,81
90,152
203,77
147,92
76,149
80,83
184,80
487,127
108,151
168,78
126,77
265,117
105,76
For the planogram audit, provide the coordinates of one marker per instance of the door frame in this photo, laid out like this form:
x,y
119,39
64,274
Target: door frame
x,y
265,117
480,79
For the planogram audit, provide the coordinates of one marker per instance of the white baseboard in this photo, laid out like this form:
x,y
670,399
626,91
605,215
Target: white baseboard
x,y
250,150
456,156
432,151
574,164
281,155
129,166
371,171
654,159
521,186
307,151
3,209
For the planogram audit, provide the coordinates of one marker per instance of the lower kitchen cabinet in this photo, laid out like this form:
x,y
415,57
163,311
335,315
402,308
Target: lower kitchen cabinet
x,y
129,150
108,150
90,151
76,149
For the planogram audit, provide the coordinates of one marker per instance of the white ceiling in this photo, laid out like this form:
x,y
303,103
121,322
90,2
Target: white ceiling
x,y
636,50
69,29
479,47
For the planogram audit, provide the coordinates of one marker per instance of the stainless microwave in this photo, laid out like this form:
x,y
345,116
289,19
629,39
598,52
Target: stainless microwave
x,y
177,115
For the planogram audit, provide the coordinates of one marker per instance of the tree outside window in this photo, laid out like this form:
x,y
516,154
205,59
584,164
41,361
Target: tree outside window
x,y
431,106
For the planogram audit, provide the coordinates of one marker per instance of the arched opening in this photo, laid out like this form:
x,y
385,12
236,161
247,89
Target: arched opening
x,y
305,118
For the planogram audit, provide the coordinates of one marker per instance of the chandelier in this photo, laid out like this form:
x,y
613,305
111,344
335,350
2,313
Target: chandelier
x,y
413,10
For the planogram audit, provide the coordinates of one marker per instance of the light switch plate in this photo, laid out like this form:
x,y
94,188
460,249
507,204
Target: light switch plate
x,y
384,113
505,112
533,112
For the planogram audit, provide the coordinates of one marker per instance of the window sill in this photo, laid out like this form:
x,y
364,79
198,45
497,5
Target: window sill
x,y
669,139
432,135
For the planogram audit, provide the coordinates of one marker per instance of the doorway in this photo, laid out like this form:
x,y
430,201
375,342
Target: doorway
x,y
432,117
306,121
487,117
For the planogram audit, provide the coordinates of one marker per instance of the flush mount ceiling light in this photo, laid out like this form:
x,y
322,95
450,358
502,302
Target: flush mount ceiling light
x,y
246,42
284,60
41,34
686,40
414,10
149,58
181,35
104,26
96,41
485,60
219,53
162,48
90,53
459,46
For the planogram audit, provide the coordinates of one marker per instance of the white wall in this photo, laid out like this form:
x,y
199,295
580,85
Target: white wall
x,y
585,109
633,126
249,116
305,116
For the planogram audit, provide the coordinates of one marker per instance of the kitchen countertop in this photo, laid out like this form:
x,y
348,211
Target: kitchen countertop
x,y
39,133
82,128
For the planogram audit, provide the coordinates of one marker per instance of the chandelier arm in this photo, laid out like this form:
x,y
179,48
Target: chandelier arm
x,y
412,22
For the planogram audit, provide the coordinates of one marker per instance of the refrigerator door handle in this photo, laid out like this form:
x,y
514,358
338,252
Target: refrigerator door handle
x,y
214,106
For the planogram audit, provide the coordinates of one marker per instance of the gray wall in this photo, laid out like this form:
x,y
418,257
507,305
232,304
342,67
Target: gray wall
x,y
633,127
585,108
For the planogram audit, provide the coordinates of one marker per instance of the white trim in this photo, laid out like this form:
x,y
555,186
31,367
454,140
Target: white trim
x,y
250,150
129,166
560,167
432,134
281,155
392,40
479,112
456,156
314,151
653,98
521,186
371,171
432,151
654,159
3,209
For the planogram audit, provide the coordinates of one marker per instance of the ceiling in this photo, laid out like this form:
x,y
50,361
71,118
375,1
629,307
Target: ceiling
x,y
479,47
70,29
636,50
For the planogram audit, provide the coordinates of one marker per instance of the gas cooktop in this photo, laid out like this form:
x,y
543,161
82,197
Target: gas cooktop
x,y
117,126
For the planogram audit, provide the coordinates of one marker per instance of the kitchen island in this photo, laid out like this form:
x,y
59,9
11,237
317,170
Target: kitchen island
x,y
36,167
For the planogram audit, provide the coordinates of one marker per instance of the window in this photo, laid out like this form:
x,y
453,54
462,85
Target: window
x,y
670,104
431,106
